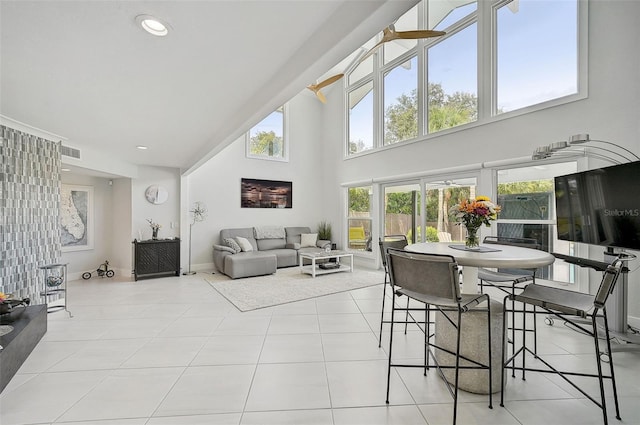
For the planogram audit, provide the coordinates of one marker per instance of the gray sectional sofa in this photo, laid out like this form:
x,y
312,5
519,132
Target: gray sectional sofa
x,y
271,247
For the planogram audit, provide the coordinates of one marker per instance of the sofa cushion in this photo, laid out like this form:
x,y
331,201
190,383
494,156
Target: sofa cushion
x,y
269,232
224,248
244,244
293,233
246,264
285,257
245,232
231,243
267,244
308,239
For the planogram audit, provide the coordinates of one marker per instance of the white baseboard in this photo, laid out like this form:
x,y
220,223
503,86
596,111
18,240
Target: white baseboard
x,y
202,267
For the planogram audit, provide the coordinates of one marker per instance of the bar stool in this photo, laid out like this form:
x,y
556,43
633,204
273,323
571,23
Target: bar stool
x,y
569,306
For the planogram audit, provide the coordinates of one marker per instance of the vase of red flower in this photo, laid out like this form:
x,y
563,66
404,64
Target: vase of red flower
x,y
472,214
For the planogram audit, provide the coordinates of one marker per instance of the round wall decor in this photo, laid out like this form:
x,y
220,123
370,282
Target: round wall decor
x,y
156,194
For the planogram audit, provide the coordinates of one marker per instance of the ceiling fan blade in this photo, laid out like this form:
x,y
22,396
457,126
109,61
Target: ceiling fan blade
x,y
316,87
413,35
329,81
390,34
371,51
321,97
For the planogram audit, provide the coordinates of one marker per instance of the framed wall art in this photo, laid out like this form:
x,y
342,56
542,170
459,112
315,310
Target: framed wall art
x,y
76,217
265,194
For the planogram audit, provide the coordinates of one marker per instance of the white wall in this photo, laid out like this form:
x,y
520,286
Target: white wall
x,y
121,255
89,260
166,214
217,183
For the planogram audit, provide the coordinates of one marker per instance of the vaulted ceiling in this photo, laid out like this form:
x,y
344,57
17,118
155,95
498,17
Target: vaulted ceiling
x,y
86,71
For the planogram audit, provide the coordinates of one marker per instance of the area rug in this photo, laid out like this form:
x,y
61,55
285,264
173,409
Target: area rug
x,y
289,285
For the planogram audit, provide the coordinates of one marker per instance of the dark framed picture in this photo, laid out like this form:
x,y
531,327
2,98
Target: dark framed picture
x,y
256,193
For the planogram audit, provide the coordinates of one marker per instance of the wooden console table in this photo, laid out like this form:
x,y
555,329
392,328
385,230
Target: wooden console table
x,y
156,258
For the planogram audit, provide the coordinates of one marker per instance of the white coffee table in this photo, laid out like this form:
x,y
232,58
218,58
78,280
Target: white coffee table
x,y
314,269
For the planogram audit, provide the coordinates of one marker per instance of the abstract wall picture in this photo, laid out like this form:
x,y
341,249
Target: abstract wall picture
x,y
265,194
76,217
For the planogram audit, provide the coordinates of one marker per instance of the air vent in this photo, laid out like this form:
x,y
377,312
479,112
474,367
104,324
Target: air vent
x,y
70,152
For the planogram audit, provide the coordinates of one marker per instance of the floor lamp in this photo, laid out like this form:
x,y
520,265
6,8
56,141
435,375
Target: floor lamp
x,y
198,213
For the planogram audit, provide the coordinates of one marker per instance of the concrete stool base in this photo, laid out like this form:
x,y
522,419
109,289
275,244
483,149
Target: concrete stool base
x,y
473,344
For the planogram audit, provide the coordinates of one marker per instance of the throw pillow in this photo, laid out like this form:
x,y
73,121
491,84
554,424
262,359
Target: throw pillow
x,y
231,243
244,243
308,240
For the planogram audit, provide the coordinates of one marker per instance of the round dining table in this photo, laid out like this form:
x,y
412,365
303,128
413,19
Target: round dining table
x,y
486,255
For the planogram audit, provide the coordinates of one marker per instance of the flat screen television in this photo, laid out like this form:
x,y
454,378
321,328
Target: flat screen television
x,y
600,206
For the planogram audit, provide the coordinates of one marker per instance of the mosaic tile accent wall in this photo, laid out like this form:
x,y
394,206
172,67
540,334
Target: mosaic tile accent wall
x,y
30,194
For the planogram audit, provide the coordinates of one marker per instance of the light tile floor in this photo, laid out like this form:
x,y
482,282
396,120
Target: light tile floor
x,y
172,351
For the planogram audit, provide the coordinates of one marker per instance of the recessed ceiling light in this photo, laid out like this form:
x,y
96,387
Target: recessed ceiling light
x,y
65,169
153,25
142,148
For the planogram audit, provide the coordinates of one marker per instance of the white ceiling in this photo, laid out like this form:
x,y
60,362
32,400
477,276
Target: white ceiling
x,y
85,71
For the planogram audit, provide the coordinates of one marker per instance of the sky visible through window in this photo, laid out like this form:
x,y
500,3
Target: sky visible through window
x,y
361,121
453,64
537,60
273,122
537,52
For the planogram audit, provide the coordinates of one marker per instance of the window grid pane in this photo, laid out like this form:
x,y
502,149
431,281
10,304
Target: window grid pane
x,y
266,139
361,118
527,203
537,53
359,219
453,81
443,14
401,102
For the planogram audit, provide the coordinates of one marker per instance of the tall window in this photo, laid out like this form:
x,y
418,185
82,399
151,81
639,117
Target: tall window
x,y
359,218
453,81
537,52
401,102
361,118
266,140
526,196
402,211
416,88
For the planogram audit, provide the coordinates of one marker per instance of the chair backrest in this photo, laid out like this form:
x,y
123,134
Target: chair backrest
x,y
428,274
522,242
608,283
391,241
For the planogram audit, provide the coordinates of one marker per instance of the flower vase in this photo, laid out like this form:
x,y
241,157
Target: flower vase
x,y
472,240
154,234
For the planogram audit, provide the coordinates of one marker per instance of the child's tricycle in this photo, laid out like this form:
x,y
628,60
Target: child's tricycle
x,y
102,271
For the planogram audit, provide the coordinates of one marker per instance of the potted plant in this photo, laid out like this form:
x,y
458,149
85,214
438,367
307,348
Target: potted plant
x,y
324,231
